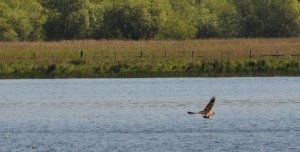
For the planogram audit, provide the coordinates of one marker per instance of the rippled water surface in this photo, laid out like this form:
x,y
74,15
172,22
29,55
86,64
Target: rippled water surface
x,y
252,114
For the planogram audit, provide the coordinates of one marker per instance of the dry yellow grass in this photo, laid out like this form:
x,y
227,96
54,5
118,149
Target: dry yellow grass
x,y
209,48
149,58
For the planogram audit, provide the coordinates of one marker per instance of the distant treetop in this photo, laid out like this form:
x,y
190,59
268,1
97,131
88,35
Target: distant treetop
x,y
29,20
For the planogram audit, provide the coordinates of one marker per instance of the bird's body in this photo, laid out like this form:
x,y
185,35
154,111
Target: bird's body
x,y
206,112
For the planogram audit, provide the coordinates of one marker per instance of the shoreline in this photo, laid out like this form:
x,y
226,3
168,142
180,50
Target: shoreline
x,y
150,59
214,68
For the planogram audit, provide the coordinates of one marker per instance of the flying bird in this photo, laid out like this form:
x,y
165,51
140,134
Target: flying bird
x,y
206,112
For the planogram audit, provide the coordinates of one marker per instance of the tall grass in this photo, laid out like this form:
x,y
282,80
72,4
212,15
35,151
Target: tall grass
x,y
232,48
149,58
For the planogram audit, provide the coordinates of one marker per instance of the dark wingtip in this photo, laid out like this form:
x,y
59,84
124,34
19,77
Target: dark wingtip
x,y
207,117
190,112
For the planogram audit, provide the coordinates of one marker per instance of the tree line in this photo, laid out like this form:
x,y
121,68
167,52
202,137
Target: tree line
x,y
29,20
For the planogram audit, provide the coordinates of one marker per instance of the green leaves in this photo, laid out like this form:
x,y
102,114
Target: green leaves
x,y
176,28
218,18
28,20
67,19
269,18
129,20
21,20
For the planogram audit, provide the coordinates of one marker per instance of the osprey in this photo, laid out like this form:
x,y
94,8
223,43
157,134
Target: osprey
x,y
206,112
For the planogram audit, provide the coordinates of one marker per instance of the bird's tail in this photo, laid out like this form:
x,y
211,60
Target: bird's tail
x,y
191,112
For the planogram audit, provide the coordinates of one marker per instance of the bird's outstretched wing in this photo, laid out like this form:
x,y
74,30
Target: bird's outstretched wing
x,y
210,105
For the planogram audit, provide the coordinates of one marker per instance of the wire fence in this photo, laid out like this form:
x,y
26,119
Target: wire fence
x,y
147,55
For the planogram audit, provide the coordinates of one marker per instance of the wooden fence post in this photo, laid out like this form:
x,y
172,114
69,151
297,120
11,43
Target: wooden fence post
x,y
141,54
250,54
34,56
115,55
82,55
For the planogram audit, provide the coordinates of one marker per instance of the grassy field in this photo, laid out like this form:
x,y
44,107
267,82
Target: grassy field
x,y
90,58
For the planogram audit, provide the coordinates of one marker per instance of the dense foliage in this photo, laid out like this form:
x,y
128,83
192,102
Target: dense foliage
x,y
28,20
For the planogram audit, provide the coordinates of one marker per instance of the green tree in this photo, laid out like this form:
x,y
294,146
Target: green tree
x,y
185,10
7,33
180,20
130,19
176,28
159,11
218,18
67,19
97,9
21,20
269,18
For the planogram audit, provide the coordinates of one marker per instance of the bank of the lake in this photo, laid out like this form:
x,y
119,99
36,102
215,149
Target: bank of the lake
x,y
190,58
168,68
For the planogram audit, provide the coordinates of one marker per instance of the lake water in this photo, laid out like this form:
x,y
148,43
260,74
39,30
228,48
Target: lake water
x,y
252,114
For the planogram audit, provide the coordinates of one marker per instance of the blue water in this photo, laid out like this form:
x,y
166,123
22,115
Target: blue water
x,y
252,114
